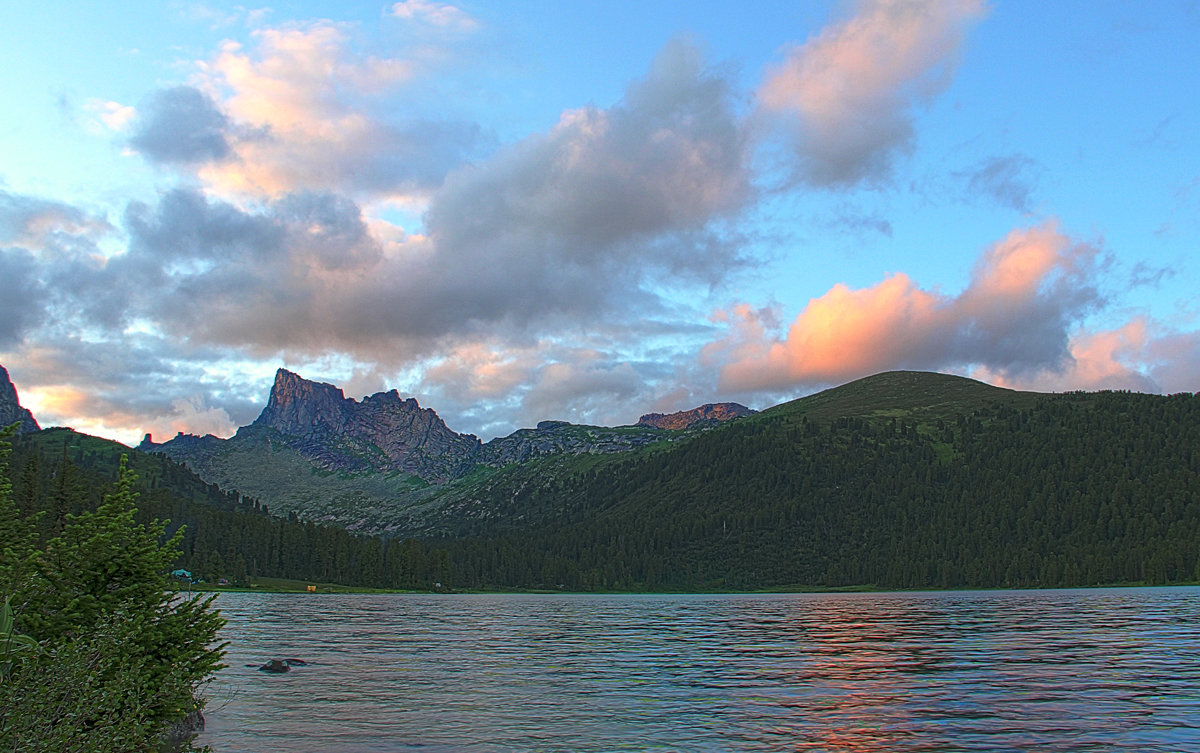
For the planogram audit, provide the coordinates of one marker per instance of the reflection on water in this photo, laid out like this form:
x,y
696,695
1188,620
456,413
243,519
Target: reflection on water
x,y
1091,670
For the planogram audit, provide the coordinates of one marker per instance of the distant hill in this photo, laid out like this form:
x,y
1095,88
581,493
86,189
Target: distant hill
x,y
59,472
902,480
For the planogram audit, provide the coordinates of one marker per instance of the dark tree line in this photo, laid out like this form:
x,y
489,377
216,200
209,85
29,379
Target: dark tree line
x,y
1075,490
1069,490
225,535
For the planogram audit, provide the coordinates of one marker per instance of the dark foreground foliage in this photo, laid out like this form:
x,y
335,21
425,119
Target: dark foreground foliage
x,y
99,653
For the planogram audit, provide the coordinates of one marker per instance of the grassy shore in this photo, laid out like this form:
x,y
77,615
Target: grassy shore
x,y
285,585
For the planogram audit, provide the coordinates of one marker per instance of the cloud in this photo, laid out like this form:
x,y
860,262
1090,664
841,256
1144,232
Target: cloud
x,y
847,94
586,223
21,306
1140,355
181,125
498,386
113,116
45,226
125,386
435,14
1003,180
48,255
606,192
312,113
1026,294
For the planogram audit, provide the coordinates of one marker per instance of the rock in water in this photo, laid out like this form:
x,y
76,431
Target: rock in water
x,y
275,666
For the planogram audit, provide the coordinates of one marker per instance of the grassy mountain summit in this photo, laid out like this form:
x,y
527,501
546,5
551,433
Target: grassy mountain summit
x,y
907,394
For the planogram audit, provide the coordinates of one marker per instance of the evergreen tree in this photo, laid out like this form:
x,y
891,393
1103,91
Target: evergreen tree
x,y
123,657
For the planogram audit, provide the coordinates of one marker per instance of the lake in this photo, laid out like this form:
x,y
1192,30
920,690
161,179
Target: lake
x,y
1070,670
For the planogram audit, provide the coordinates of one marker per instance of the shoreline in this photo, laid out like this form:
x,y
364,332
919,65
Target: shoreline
x,y
280,586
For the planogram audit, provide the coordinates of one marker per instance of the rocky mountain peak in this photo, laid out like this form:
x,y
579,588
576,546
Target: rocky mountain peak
x,y
708,413
297,406
10,406
383,432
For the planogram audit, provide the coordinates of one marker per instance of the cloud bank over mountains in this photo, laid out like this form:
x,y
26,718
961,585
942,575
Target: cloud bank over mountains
x,y
589,271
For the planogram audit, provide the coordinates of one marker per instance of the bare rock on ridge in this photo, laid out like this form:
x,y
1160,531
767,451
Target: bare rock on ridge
x,y
10,407
710,413
383,432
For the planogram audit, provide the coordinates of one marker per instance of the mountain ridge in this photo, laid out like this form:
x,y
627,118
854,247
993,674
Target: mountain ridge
x,y
11,410
709,413
385,433
378,462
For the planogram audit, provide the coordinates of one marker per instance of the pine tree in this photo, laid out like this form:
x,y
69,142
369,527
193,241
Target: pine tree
x,y
123,656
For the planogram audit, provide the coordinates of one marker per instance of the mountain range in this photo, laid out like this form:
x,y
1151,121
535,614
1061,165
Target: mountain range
x,y
898,480
380,463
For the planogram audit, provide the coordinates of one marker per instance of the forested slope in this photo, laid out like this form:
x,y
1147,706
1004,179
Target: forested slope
x,y
903,480
58,472
999,489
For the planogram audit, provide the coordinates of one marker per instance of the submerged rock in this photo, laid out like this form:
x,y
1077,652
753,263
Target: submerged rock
x,y
276,666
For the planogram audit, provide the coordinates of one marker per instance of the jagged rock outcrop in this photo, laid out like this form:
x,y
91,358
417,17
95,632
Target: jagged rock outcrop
x,y
10,407
705,414
382,433
375,464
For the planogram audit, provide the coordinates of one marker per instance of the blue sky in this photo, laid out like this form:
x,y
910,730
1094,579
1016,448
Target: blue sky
x,y
590,210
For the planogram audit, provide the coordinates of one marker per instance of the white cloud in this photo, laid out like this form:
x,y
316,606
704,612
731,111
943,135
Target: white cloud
x,y
847,94
432,13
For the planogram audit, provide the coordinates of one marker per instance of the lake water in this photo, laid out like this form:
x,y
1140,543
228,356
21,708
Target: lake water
x,y
1076,670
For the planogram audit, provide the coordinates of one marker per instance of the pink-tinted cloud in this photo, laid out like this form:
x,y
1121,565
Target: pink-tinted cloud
x,y
848,93
1140,355
303,109
1025,295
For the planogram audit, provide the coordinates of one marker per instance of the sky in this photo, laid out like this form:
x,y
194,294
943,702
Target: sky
x,y
588,211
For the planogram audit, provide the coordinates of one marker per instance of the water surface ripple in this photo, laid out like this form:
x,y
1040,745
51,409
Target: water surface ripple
x,y
1072,670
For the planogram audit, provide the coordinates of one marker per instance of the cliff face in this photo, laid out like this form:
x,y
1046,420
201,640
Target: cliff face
x,y
710,413
381,433
373,464
10,406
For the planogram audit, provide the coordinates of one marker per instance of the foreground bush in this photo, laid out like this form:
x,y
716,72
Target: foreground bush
x,y
120,659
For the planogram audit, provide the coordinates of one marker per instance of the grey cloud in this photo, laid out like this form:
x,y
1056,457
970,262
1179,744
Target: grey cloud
x,y
413,155
181,125
1007,181
22,302
185,227
49,269
43,225
608,195
575,226
134,378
